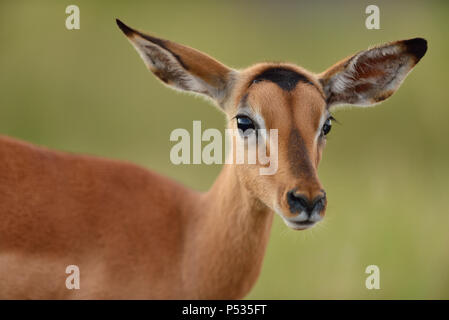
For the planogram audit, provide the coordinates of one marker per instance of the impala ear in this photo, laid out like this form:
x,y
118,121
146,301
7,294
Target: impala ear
x,y
373,75
181,67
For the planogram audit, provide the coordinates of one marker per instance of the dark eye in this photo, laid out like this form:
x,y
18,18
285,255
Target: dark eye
x,y
245,123
327,126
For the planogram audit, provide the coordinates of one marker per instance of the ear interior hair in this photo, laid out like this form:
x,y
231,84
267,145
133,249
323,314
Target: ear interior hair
x,y
373,75
181,67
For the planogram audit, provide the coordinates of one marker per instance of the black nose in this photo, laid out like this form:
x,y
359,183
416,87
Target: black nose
x,y
299,202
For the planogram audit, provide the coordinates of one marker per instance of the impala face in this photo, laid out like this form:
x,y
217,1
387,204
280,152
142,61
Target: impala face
x,y
288,98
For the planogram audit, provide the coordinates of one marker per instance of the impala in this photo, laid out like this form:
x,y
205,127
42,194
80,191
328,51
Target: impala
x,y
136,234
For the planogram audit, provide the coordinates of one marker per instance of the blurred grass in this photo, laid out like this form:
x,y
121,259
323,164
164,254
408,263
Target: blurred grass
x,y
385,169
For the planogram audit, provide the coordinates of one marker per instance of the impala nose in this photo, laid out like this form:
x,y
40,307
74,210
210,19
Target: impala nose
x,y
300,203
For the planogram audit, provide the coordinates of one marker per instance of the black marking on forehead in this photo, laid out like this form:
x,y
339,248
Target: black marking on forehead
x,y
286,79
298,156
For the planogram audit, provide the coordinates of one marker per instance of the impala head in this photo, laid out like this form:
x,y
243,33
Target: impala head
x,y
288,98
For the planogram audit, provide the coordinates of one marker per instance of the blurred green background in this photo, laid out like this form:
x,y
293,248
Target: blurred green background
x,y
385,169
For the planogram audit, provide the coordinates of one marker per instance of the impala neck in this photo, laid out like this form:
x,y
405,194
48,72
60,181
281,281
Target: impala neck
x,y
230,232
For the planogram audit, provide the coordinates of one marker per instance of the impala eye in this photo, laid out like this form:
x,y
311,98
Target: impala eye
x,y
245,124
327,126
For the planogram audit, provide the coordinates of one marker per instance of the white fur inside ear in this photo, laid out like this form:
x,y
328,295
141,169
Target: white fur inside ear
x,y
164,64
369,77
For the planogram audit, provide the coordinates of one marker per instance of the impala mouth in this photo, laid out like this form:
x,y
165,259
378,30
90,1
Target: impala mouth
x,y
300,222
301,225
